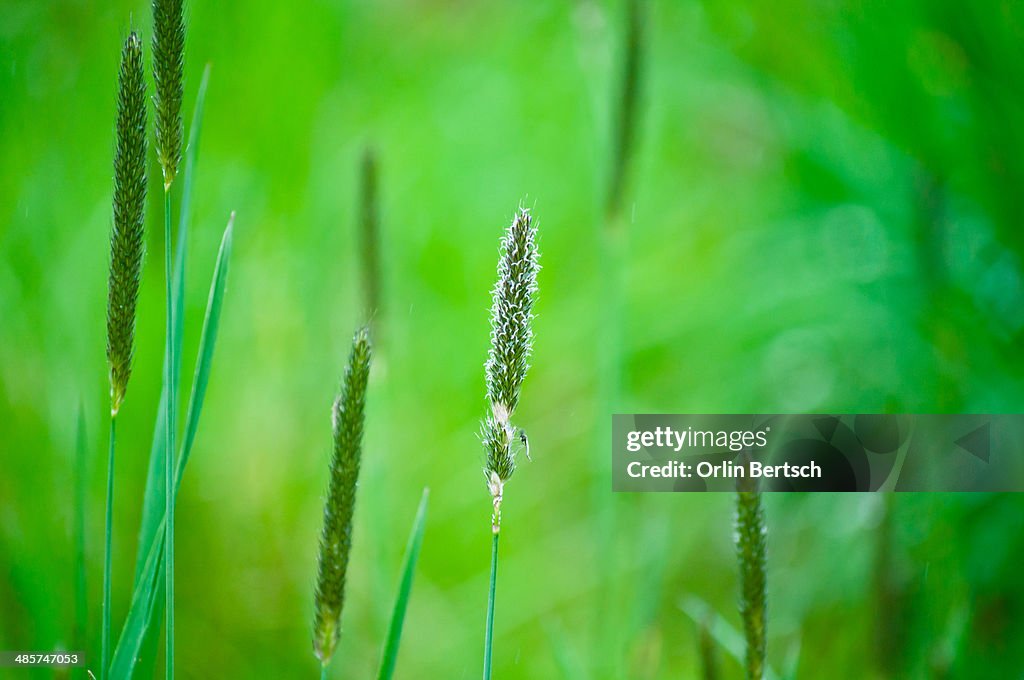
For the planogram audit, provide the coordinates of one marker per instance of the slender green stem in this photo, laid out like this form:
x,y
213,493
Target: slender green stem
x,y
81,592
489,635
323,671
105,657
751,550
171,394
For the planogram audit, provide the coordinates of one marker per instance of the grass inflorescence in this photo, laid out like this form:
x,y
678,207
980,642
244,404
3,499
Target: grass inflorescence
x,y
336,537
127,235
169,77
509,357
126,252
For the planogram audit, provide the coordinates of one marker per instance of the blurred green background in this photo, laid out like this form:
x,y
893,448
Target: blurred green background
x,y
822,214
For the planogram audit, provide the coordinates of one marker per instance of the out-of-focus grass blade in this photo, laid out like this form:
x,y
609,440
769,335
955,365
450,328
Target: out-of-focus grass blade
x,y
207,342
568,663
81,482
792,663
139,614
730,639
412,553
153,503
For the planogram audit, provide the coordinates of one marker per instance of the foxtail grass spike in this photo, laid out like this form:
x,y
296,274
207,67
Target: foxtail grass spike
x,y
169,76
751,552
126,237
126,249
336,538
627,105
369,232
509,358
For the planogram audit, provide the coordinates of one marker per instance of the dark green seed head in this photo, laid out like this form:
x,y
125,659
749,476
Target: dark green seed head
x,y
169,76
126,236
336,538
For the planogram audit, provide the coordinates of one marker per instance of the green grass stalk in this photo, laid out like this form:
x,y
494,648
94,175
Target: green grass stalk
x,y
170,425
169,76
489,630
81,483
126,252
751,553
369,243
107,558
507,363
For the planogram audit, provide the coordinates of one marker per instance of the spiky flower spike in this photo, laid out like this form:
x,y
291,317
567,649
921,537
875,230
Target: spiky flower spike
x,y
169,76
336,539
511,345
751,552
126,237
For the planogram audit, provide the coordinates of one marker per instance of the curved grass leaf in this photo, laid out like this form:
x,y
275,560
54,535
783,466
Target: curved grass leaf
x,y
207,342
139,614
412,553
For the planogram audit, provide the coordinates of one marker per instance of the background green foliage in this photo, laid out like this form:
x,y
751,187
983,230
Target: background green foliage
x,y
823,216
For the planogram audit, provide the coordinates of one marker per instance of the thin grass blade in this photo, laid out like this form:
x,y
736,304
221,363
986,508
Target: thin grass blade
x,y
81,482
412,553
139,614
207,342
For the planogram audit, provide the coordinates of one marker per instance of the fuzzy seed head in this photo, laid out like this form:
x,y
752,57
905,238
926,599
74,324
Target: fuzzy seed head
x,y
336,538
169,76
501,460
512,314
509,357
126,236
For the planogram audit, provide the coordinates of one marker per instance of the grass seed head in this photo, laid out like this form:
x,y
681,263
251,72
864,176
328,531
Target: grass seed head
x,y
169,76
336,538
512,316
509,357
127,235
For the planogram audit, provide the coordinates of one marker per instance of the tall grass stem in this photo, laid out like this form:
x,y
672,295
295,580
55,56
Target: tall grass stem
x,y
489,632
105,641
81,483
369,246
170,426
751,552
